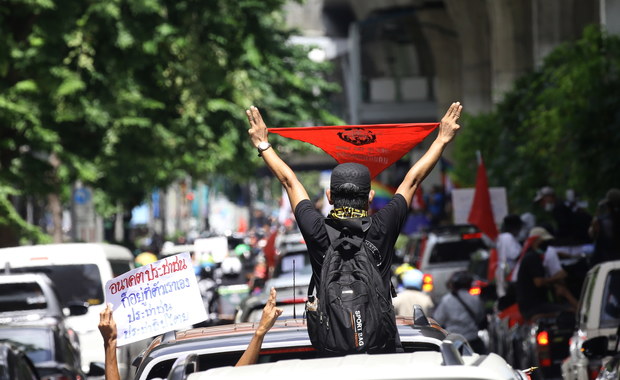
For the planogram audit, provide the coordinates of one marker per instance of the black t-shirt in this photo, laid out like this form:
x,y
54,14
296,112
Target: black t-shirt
x,y
384,229
529,296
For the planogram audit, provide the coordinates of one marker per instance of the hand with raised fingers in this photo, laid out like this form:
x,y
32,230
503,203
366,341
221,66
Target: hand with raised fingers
x,y
107,325
270,314
449,123
258,130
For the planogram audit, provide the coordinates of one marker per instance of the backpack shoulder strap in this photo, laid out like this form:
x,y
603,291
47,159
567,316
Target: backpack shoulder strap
x,y
469,311
351,231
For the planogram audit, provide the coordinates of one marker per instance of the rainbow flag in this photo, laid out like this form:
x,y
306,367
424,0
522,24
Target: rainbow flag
x,y
383,194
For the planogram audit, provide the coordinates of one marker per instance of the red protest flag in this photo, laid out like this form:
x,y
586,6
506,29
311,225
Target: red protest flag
x,y
481,213
375,145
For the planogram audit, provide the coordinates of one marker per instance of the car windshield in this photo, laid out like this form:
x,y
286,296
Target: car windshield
x,y
120,266
36,343
78,282
455,250
21,296
610,308
299,260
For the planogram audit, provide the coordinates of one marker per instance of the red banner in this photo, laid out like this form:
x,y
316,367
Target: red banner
x,y
375,145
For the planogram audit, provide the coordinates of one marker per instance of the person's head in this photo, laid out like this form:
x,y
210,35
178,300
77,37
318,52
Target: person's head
x,y
543,238
546,198
613,199
460,280
512,223
231,266
350,186
412,279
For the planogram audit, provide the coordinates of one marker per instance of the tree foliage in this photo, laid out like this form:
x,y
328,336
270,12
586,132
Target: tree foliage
x,y
559,126
130,95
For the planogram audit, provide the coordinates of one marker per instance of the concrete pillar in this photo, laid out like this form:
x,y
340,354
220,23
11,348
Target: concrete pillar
x,y
557,21
610,15
439,30
511,43
306,16
471,21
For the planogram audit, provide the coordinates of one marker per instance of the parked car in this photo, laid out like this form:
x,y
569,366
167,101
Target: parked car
x,y
598,314
598,348
444,250
79,272
15,364
223,345
49,346
31,296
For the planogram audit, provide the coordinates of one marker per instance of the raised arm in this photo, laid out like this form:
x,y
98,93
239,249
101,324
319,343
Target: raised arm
x,y
259,134
107,328
447,129
267,319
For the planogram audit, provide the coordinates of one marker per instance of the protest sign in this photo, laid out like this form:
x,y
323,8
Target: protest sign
x,y
462,200
155,298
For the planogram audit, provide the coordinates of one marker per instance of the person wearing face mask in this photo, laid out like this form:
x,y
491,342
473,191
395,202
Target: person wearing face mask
x,y
555,216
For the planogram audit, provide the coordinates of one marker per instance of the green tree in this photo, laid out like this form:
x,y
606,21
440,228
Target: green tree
x,y
129,95
559,126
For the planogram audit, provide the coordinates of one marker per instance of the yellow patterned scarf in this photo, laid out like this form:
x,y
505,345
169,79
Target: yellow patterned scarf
x,y
347,212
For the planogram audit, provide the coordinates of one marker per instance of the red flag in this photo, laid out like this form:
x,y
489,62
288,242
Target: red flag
x,y
376,146
481,213
418,200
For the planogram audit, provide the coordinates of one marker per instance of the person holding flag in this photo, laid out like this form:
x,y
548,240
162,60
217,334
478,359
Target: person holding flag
x,y
367,153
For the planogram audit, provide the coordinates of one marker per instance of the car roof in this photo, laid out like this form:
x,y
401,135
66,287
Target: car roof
x,y
72,251
416,365
285,333
14,278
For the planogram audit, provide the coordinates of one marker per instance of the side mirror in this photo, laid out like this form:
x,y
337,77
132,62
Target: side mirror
x,y
77,308
96,369
595,347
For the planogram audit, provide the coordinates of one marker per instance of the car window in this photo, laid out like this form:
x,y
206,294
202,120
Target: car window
x,y
119,267
21,296
455,250
78,282
36,343
287,310
285,264
610,307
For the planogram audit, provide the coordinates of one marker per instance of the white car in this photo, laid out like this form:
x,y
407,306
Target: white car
x,y
79,272
447,364
444,250
598,315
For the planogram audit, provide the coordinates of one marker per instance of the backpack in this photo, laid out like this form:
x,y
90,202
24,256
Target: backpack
x,y
351,313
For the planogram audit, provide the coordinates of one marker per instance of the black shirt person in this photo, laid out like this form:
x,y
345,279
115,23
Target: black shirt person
x,y
350,193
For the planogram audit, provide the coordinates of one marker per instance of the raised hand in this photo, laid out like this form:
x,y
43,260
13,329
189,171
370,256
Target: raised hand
x,y
107,326
258,130
448,125
270,314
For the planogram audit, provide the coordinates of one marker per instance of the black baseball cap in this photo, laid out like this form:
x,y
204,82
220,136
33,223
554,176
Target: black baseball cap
x,y
353,173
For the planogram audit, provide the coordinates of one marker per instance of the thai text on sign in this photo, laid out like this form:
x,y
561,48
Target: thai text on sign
x,y
155,298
